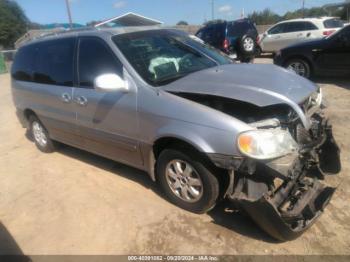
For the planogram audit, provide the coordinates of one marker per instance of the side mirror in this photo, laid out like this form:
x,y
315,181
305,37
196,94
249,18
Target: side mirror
x,y
110,83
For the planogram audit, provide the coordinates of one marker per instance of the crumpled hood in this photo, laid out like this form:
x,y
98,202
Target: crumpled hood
x,y
258,84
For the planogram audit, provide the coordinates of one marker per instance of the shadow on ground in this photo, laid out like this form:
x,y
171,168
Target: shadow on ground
x,y
9,249
224,214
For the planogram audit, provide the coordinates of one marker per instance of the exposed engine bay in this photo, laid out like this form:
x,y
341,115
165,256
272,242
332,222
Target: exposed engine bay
x,y
283,195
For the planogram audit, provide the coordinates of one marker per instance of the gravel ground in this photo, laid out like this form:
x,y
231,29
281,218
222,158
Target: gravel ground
x,y
73,202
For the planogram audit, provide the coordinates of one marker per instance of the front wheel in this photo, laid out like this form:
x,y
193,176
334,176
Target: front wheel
x,y
299,66
187,182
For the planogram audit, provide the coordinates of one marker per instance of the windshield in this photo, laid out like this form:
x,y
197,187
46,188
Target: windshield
x,y
163,56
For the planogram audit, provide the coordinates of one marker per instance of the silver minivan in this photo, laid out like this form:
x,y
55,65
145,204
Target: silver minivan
x,y
203,127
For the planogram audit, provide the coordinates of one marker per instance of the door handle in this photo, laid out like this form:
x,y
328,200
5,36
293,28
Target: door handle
x,y
66,98
81,100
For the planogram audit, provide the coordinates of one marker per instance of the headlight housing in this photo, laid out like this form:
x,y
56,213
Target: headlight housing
x,y
266,144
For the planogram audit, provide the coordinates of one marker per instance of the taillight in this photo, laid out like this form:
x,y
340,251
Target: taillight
x,y
328,32
258,39
226,44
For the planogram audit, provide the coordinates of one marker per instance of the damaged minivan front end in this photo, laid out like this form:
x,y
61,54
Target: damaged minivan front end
x,y
284,195
279,179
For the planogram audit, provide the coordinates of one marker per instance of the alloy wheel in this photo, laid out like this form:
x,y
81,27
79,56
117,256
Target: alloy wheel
x,y
39,134
248,44
184,181
298,67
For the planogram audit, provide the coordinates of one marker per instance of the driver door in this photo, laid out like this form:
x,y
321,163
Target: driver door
x,y
107,121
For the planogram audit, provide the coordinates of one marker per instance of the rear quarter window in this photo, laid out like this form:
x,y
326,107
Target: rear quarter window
x,y
48,62
333,23
23,65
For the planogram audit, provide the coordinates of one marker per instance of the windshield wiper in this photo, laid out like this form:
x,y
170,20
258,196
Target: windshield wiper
x,y
172,78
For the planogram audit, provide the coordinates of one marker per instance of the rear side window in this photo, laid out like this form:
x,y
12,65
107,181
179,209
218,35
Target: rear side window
x,y
278,29
310,26
54,62
239,29
49,62
95,59
333,23
23,66
295,27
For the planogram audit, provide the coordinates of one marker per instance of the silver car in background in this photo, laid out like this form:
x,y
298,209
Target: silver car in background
x,y
204,128
294,31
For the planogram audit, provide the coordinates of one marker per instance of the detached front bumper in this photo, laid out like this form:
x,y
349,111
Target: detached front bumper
x,y
285,196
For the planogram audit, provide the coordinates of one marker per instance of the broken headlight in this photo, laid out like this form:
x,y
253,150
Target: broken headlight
x,y
266,144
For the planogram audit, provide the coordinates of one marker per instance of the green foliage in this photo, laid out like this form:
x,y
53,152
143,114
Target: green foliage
x,y
182,23
13,23
2,64
268,17
265,17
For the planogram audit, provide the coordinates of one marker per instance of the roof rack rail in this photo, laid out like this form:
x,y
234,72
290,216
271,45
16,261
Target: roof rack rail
x,y
43,33
66,31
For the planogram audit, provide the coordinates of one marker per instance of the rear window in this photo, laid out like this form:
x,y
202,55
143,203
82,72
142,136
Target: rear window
x,y
22,68
333,23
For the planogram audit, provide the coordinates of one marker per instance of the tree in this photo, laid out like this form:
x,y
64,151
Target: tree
x,y
265,17
182,23
13,23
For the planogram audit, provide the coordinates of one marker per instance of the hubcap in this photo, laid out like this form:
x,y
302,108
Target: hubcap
x,y
39,134
248,44
184,181
298,68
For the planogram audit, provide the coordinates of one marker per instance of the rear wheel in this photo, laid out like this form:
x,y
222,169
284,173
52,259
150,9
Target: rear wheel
x,y
187,182
248,45
299,66
40,135
247,49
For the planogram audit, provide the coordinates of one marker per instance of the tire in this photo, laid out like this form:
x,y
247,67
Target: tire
x,y
40,135
199,194
248,60
247,46
258,51
299,66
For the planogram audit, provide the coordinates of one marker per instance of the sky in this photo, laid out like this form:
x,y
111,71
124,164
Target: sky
x,y
168,11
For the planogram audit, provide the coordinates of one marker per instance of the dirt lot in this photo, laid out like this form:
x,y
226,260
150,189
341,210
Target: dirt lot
x,y
73,202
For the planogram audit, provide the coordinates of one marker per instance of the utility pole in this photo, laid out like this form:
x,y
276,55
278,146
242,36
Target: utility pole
x,y
212,9
303,8
69,14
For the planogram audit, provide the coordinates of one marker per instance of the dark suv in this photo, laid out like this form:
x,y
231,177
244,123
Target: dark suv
x,y
234,38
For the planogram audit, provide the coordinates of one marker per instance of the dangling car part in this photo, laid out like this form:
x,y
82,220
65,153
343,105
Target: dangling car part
x,y
286,209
